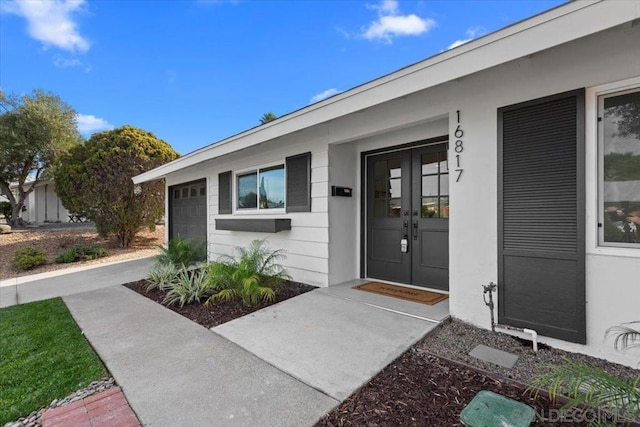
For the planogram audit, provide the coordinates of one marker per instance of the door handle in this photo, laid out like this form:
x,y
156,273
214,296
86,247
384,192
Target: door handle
x,y
415,229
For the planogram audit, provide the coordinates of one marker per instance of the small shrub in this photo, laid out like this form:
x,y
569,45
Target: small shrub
x,y
162,276
6,211
81,253
251,275
183,252
189,287
28,258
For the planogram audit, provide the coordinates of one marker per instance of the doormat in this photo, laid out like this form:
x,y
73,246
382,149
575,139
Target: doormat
x,y
409,294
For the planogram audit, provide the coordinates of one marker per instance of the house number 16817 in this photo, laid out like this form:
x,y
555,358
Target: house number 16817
x,y
458,146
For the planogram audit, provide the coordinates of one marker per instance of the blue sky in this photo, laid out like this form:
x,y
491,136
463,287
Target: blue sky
x,y
195,72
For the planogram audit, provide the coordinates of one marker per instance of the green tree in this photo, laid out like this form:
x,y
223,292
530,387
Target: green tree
x,y
34,131
267,117
94,180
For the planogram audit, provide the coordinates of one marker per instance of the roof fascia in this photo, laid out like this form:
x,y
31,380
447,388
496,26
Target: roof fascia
x,y
557,26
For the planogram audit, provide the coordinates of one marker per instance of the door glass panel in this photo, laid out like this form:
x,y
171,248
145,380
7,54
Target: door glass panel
x,y
444,185
430,185
395,208
380,189
429,207
429,163
444,165
380,169
444,207
395,170
395,187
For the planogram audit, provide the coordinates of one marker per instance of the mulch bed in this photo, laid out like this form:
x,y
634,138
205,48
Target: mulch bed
x,y
431,383
420,389
219,312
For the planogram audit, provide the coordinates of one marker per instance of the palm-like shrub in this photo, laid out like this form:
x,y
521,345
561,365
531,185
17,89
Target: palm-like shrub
x,y
251,275
593,389
183,252
188,287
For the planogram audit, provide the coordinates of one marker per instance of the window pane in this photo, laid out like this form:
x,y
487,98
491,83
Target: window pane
x,y
247,187
176,194
429,163
444,184
395,187
430,185
444,207
272,188
185,193
429,207
444,165
194,192
203,191
395,208
621,162
380,169
395,168
380,208
380,189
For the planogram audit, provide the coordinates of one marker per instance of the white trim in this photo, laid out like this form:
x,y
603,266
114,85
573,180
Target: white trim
x,y
593,172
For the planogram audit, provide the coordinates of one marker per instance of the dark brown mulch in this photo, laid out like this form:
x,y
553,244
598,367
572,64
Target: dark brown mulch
x,y
420,389
221,311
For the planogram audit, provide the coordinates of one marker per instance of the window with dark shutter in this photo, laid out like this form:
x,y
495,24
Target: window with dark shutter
x,y
224,193
299,183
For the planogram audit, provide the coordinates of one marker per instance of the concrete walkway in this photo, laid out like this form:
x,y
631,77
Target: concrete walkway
x,y
286,365
73,280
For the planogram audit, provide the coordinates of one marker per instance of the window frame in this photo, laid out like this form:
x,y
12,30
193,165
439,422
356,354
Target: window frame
x,y
600,202
257,210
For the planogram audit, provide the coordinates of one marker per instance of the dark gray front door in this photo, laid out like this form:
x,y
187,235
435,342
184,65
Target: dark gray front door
x,y
408,200
188,211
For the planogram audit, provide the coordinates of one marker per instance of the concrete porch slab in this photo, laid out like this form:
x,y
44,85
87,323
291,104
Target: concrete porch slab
x,y
437,312
333,344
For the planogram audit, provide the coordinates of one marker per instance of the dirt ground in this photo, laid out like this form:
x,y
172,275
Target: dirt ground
x,y
56,238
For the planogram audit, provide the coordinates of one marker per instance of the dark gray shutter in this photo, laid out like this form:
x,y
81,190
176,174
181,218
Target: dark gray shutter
x,y
541,216
224,193
299,183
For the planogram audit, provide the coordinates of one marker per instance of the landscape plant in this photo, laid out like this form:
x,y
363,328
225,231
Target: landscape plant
x,y
182,253
81,253
591,389
43,356
28,258
35,130
6,211
162,276
94,179
251,274
189,286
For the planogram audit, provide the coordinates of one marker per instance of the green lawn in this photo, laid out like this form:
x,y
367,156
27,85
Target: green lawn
x,y
43,356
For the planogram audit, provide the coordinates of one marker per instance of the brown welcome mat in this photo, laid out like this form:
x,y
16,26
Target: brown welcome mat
x,y
410,294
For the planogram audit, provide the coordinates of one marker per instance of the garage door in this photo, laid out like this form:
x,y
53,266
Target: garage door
x,y
188,210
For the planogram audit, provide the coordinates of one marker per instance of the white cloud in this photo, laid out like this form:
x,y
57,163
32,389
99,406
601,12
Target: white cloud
x,y
324,95
51,22
471,33
391,24
88,123
67,63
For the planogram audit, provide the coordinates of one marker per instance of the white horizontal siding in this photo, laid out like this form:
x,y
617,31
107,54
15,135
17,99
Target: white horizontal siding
x,y
306,245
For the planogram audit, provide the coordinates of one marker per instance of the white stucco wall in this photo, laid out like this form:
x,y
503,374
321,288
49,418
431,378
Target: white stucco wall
x,y
43,205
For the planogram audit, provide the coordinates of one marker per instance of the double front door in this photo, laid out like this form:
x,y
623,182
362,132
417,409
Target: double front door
x,y
408,216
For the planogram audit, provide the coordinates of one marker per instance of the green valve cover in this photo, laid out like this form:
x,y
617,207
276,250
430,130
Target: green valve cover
x,y
488,409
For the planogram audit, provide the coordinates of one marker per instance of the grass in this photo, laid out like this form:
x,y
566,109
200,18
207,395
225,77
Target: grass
x,y
43,356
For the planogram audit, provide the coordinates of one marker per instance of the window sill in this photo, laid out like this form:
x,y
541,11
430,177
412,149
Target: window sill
x,y
258,225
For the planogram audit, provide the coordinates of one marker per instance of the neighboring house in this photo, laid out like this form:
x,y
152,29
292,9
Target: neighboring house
x,y
43,204
489,159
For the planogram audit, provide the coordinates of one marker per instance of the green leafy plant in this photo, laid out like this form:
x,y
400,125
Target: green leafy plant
x,y
183,252
81,253
251,275
162,276
591,388
6,211
28,258
188,287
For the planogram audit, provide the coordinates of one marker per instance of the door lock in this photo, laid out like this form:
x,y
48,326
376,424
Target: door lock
x,y
404,245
